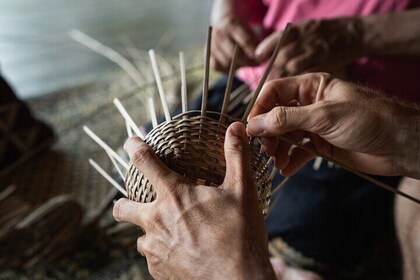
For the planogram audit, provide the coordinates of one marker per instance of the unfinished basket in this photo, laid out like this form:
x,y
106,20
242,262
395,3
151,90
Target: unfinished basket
x,y
192,145
192,142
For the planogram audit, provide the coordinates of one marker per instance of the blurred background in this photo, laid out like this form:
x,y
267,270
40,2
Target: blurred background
x,y
38,57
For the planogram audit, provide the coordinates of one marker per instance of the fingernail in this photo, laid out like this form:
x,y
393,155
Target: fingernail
x,y
259,54
238,130
257,125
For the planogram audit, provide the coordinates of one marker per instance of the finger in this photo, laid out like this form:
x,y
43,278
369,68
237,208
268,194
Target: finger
x,y
306,89
297,159
238,158
140,245
298,65
282,155
266,47
129,211
222,55
243,37
244,60
368,163
227,46
287,53
283,148
219,61
281,120
270,145
147,162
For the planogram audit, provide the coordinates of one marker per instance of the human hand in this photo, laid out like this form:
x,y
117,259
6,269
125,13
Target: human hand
x,y
351,124
284,271
200,232
315,45
228,31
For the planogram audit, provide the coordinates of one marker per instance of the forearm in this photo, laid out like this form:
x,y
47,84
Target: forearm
x,y
252,270
409,142
391,34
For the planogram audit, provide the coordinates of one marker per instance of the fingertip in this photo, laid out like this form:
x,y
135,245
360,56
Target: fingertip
x,y
117,211
238,157
237,129
257,125
259,54
132,143
140,245
287,172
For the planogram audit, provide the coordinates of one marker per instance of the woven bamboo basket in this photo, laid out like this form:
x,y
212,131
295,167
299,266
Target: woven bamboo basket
x,y
192,145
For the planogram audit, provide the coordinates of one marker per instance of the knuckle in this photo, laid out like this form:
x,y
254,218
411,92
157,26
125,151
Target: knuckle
x,y
324,116
172,181
143,154
325,77
237,146
293,66
155,218
270,87
279,117
147,246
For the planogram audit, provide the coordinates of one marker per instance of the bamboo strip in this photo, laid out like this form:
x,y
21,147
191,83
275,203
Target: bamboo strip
x,y
116,166
128,118
265,74
107,177
184,96
206,74
109,53
159,84
104,146
228,90
152,112
350,169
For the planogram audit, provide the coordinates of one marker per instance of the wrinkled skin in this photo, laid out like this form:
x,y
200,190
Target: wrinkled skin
x,y
348,123
200,232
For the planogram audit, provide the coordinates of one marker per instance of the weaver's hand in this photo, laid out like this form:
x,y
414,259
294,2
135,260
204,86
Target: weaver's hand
x,y
351,124
229,30
284,271
316,45
200,232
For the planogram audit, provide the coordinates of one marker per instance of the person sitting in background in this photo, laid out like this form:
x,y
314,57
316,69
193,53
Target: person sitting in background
x,y
323,213
218,232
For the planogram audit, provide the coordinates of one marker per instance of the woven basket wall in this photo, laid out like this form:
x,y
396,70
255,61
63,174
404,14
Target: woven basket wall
x,y
192,145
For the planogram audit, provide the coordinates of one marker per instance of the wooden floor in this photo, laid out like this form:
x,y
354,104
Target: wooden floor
x,y
38,57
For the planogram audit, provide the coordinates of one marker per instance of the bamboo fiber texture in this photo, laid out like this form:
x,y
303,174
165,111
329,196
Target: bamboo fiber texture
x,y
192,145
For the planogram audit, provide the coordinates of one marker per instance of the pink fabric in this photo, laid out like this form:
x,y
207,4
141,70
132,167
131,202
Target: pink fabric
x,y
395,76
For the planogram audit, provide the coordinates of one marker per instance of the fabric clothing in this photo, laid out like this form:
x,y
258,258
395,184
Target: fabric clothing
x,y
385,74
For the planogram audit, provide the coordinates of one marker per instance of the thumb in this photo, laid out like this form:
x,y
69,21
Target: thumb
x,y
283,119
238,158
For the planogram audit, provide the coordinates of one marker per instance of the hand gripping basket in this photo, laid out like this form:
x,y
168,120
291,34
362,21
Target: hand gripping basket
x,y
192,142
192,145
